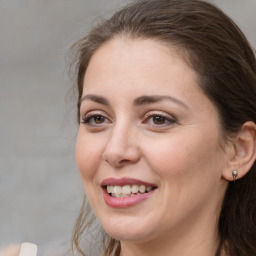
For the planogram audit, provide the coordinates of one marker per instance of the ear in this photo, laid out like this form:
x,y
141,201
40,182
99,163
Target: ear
x,y
243,152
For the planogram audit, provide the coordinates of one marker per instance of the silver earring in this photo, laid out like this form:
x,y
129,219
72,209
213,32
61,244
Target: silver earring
x,y
234,174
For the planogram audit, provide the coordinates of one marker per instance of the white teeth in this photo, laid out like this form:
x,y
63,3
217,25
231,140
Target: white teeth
x,y
117,190
142,189
127,190
135,189
109,189
148,189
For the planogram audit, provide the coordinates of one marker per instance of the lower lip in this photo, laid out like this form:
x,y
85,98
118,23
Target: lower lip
x,y
125,202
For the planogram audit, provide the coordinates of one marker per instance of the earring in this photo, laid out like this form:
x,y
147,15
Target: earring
x,y
234,174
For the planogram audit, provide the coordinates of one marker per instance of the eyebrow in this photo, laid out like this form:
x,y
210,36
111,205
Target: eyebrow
x,y
151,99
95,98
142,100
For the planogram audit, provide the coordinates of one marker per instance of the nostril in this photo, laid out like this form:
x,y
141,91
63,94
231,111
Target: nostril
x,y
124,161
115,163
120,152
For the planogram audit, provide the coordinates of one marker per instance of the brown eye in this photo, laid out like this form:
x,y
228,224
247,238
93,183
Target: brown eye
x,y
159,120
98,119
95,120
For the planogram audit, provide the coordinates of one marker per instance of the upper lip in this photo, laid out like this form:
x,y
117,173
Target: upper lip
x,y
125,181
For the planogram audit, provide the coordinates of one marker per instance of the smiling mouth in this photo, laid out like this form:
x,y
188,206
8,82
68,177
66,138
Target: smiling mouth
x,y
128,190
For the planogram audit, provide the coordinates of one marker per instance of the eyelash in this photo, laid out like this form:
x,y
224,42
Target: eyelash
x,y
167,120
88,119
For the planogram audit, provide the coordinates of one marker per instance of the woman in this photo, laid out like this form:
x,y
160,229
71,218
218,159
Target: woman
x,y
166,145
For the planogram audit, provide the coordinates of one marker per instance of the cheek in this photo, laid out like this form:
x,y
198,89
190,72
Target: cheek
x,y
186,155
189,170
88,156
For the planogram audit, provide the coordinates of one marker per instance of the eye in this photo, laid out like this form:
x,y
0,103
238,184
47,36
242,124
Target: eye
x,y
159,120
95,120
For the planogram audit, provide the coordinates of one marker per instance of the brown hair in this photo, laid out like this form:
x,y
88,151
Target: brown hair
x,y
220,54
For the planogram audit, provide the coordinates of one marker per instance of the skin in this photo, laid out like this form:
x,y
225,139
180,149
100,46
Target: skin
x,y
183,153
11,250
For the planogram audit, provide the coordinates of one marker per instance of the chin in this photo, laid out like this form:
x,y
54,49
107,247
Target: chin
x,y
125,235
128,230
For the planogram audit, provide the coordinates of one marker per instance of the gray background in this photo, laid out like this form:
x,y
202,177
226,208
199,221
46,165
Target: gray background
x,y
40,189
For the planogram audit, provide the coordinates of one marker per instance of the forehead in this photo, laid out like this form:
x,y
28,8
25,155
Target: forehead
x,y
138,61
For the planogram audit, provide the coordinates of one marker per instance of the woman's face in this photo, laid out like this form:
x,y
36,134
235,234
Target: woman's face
x,y
151,138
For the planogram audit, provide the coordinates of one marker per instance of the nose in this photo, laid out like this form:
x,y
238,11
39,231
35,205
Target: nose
x,y
121,148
